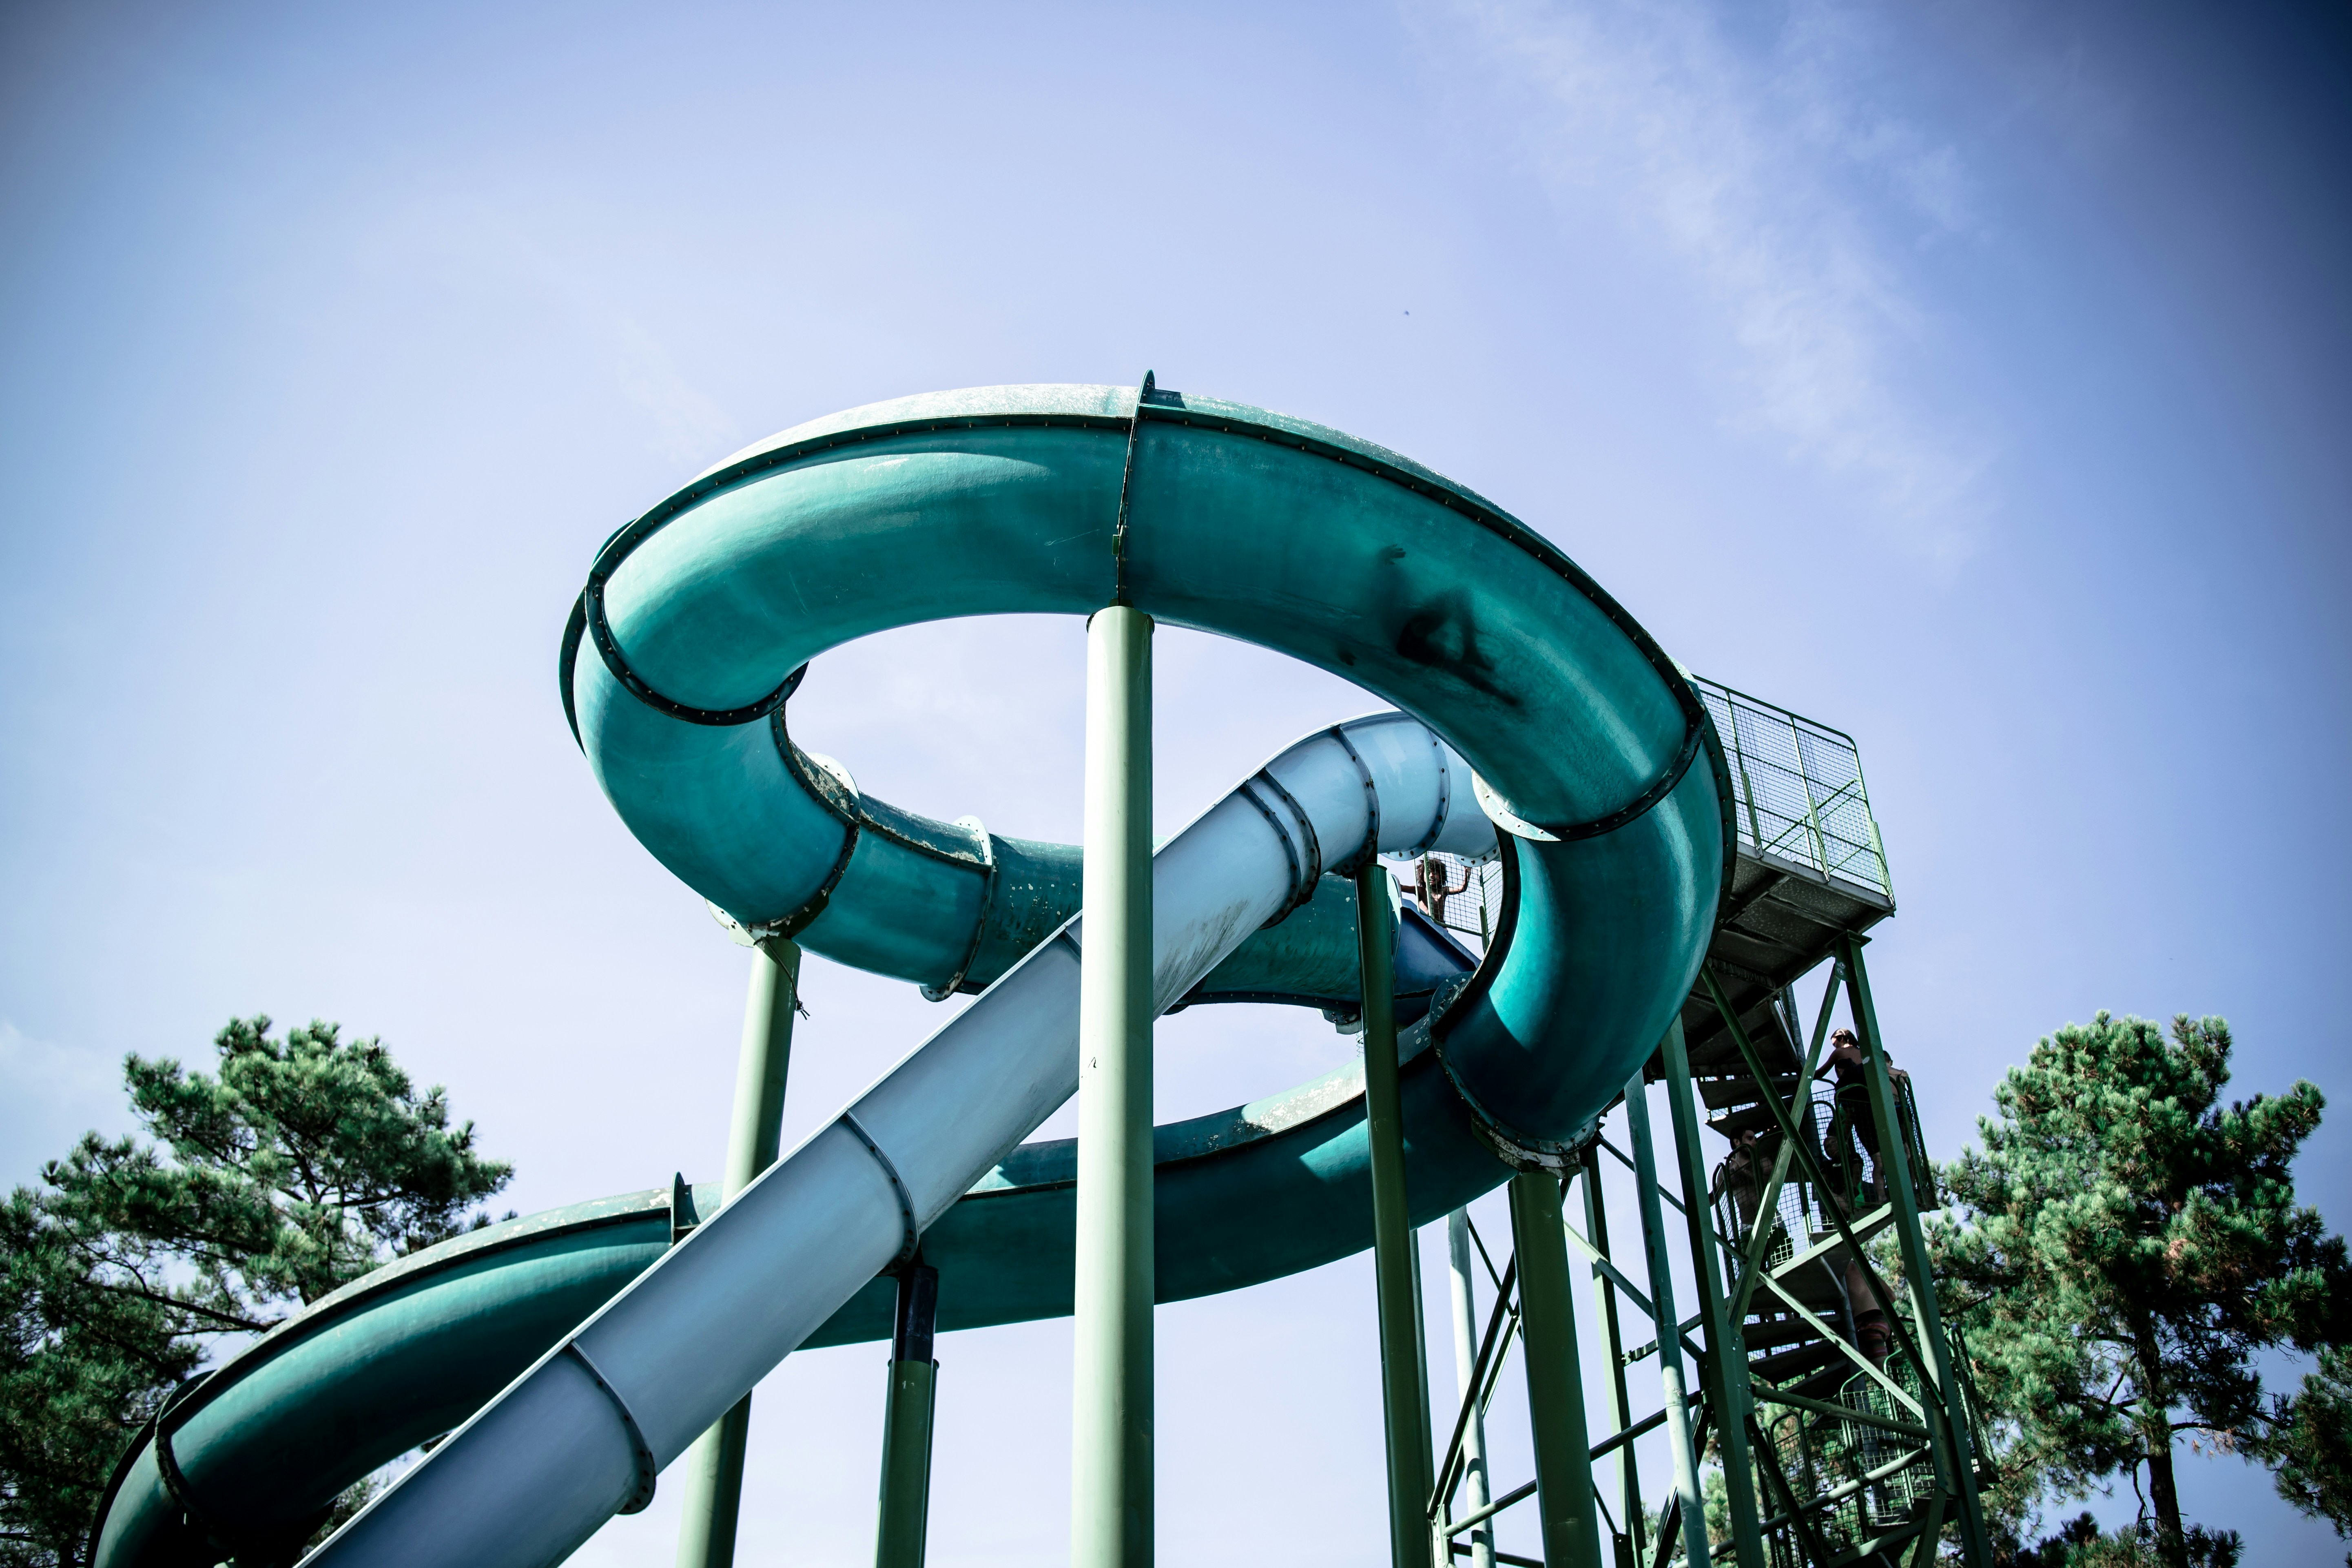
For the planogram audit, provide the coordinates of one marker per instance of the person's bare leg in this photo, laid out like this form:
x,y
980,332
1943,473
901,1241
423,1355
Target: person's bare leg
x,y
1873,1336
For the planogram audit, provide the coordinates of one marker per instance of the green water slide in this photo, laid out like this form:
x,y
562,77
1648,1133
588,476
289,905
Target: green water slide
x,y
573,1355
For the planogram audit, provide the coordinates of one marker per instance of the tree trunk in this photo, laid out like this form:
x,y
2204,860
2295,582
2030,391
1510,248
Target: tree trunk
x,y
2155,1417
2169,1541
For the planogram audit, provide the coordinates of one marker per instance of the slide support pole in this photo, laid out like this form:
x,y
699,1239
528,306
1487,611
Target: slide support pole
x,y
1669,1324
1111,1442
1571,1526
1726,1353
1633,1531
1476,1485
1895,1167
1420,1382
714,1465
1633,1534
1403,1392
905,1502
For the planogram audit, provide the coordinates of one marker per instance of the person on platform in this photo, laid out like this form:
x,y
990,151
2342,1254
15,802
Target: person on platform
x,y
1854,1135
1853,1140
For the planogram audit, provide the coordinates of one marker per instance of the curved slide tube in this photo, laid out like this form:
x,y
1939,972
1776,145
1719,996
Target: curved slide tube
x,y
1026,498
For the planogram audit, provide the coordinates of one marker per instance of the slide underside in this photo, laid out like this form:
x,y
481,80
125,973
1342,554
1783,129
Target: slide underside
x,y
1519,683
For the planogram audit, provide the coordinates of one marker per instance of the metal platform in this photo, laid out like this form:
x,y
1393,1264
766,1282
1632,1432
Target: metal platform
x,y
1811,869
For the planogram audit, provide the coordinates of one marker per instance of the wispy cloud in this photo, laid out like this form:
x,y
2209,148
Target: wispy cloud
x,y
1761,152
689,427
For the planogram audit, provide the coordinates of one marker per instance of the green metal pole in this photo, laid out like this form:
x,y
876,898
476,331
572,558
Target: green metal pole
x,y
763,1062
1404,1405
714,1465
1635,1532
1679,1438
1572,1525
1440,1551
1726,1354
1894,1162
1421,1374
1476,1485
905,1502
1111,1440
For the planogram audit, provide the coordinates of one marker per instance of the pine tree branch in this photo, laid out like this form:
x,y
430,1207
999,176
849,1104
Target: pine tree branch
x,y
183,1304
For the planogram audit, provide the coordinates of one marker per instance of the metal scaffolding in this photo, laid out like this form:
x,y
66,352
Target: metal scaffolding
x,y
1815,1409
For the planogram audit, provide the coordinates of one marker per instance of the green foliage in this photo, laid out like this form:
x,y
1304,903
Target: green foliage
x,y
2310,1442
82,1363
302,1164
2129,1242
290,1172
2080,1544
1715,1500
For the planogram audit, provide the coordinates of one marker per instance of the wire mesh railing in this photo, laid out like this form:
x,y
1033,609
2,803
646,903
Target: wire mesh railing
x,y
1854,1479
1466,897
1836,1123
1798,794
1798,787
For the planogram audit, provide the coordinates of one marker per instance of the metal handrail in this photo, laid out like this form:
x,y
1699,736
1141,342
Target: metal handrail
x,y
1798,795
1798,787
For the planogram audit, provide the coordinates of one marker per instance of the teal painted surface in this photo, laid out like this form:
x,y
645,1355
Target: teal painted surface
x,y
378,1367
1000,500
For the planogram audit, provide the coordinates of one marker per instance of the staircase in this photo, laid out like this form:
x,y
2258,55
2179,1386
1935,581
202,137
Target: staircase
x,y
1847,1466
1852,1468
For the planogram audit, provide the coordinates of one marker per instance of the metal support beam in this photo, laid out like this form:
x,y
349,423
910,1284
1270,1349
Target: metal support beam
x,y
1835,1213
1911,1430
1815,1550
1922,1555
1476,1483
1767,1200
1405,1402
1633,1292
1681,1441
906,1500
714,1465
1670,1529
1829,1335
1630,1507
1895,1167
1727,1355
1422,1376
1111,1440
1948,1454
1484,1371
1563,1450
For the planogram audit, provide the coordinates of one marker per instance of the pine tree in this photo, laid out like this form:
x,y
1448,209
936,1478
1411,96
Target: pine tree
x,y
299,1165
2081,1543
2127,1243
2310,1442
83,1362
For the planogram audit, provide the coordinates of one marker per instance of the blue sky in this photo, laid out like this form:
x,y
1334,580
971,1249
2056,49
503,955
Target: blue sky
x,y
1971,378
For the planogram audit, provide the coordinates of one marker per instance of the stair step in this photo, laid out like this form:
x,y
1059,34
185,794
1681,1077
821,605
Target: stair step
x,y
1791,1362
1824,1385
1776,1332
1753,1119
1740,1088
1816,1289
